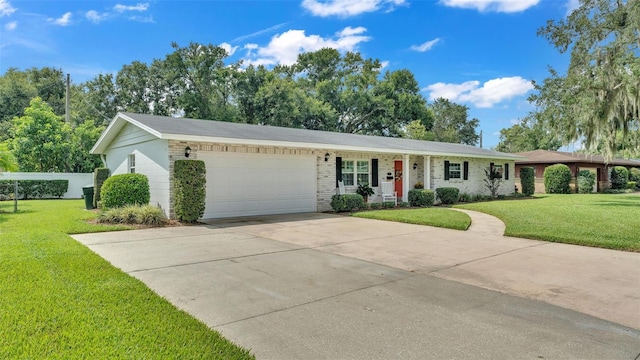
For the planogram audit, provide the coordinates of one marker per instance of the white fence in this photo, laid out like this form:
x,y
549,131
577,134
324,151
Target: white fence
x,y
76,181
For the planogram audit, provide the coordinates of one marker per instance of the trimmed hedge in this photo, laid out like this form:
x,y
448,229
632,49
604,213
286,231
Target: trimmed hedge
x,y
447,195
189,189
528,180
631,185
619,177
421,197
557,179
347,202
135,214
586,180
35,189
125,189
99,176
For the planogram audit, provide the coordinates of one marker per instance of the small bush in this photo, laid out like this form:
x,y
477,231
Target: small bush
x,y
631,185
403,204
418,185
347,202
134,214
189,186
375,206
557,179
586,180
447,195
99,176
464,197
125,189
528,180
388,204
57,188
421,197
619,177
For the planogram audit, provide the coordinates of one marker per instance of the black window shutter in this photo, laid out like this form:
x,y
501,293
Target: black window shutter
x,y
374,172
506,171
446,170
338,169
465,170
491,168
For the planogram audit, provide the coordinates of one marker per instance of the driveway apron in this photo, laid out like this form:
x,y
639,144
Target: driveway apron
x,y
318,286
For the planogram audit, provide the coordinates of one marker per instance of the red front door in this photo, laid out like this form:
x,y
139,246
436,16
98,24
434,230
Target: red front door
x,y
397,167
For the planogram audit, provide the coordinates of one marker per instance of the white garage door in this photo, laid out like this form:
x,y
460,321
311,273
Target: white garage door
x,y
258,184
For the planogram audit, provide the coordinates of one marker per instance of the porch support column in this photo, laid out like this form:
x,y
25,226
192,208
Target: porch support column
x,y
427,172
405,177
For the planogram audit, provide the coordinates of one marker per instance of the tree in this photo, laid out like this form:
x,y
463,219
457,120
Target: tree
x,y
451,124
94,100
15,93
7,160
600,93
41,139
83,137
527,135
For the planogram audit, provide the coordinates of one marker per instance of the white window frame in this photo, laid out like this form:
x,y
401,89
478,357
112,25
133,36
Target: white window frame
x,y
131,163
452,171
355,173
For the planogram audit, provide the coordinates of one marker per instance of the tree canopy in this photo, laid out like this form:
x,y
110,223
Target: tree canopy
x,y
598,99
529,134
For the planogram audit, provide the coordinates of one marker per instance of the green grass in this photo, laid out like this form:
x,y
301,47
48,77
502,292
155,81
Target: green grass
x,y
439,217
60,300
601,220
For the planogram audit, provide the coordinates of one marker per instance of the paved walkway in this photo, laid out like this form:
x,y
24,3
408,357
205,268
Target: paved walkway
x,y
325,286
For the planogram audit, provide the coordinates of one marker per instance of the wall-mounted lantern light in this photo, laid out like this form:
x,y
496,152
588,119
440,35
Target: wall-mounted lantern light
x,y
415,166
326,157
187,151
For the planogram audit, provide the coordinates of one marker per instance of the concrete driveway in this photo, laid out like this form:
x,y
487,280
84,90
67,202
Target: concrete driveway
x,y
317,286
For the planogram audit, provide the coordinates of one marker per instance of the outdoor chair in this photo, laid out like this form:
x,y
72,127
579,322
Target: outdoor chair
x,y
388,192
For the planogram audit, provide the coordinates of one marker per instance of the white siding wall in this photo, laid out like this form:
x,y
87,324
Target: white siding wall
x,y
152,160
475,184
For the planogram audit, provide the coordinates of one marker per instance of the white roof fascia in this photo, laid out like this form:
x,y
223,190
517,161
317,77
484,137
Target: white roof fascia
x,y
236,141
116,126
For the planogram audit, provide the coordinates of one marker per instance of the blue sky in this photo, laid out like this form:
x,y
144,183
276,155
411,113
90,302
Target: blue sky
x,y
480,53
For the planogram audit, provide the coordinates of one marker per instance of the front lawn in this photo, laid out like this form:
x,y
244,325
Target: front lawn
x,y
439,217
60,300
601,220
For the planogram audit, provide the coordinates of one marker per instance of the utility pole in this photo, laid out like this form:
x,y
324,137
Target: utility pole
x,y
480,139
67,115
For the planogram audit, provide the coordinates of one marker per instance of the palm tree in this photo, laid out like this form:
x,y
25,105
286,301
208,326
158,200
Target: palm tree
x,y
7,160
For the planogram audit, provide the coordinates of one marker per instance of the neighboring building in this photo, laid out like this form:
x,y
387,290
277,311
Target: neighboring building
x,y
540,159
255,169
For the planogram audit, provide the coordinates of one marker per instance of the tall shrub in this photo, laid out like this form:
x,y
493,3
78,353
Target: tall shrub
x,y
634,175
189,189
125,189
528,180
347,202
99,176
557,179
619,177
586,180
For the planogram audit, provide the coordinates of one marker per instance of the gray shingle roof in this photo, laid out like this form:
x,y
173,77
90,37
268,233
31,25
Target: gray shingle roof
x,y
179,128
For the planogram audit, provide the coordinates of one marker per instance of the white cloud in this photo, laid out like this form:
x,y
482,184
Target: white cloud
x,y
64,20
346,8
6,9
505,6
572,5
142,19
492,92
384,64
228,48
137,7
251,46
284,48
260,32
95,16
425,46
11,26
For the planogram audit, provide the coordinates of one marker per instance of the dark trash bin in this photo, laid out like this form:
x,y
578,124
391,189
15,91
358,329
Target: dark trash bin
x,y
88,196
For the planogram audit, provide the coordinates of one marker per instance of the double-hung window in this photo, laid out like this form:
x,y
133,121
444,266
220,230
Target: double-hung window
x,y
454,171
355,172
498,171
